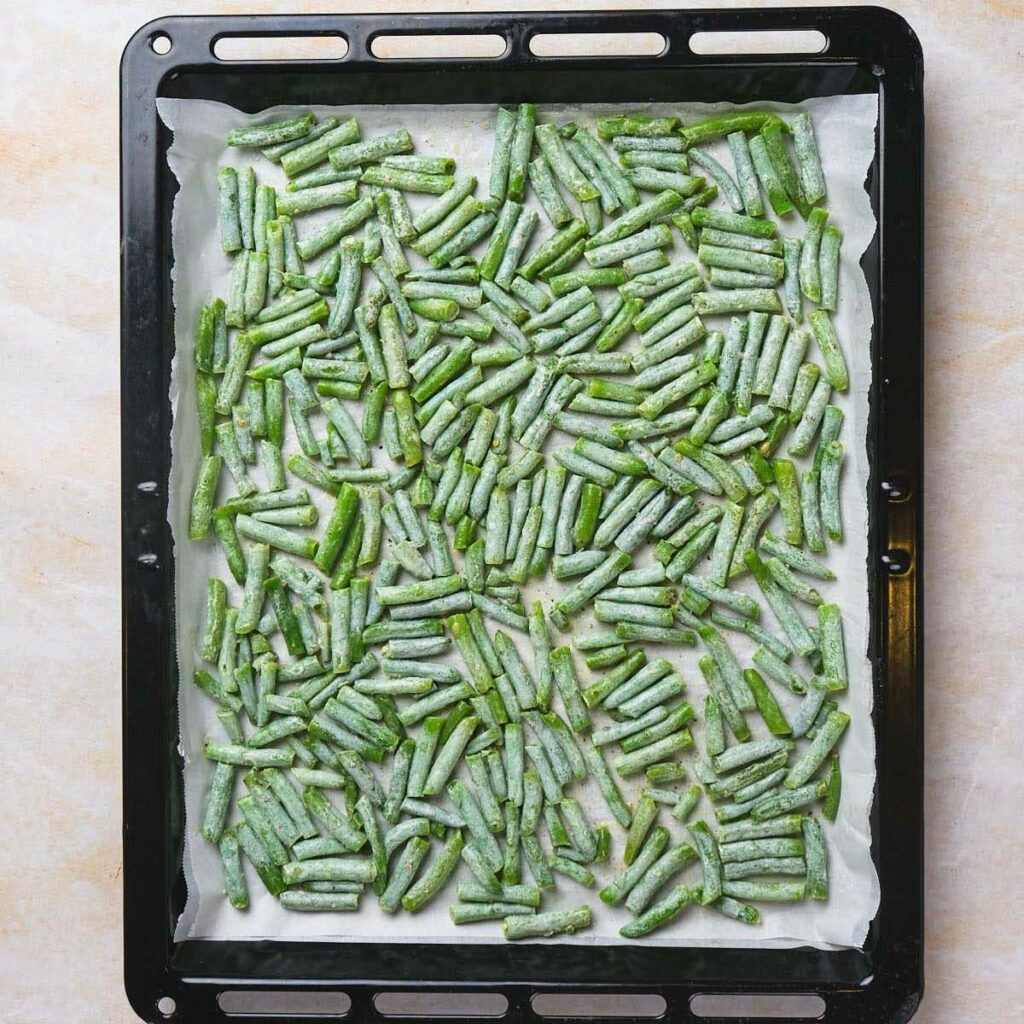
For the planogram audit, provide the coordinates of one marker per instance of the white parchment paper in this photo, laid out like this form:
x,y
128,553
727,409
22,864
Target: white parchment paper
x,y
845,128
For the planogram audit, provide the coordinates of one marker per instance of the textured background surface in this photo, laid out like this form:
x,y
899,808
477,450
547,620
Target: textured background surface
x,y
60,887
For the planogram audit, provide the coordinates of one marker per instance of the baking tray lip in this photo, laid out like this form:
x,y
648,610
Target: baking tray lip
x,y
193,972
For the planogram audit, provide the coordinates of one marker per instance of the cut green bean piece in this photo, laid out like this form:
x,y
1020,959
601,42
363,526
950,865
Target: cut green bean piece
x,y
661,913
556,922
657,874
831,352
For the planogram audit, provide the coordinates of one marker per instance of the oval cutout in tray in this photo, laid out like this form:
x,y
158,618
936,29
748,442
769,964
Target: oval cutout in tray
x,y
438,47
726,43
279,47
598,44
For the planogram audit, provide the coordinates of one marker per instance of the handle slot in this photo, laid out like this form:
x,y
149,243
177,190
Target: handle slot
x,y
727,44
572,1005
441,1005
281,1003
759,1006
598,44
475,46
254,48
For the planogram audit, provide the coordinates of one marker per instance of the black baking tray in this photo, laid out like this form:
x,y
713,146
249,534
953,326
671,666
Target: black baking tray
x,y
869,50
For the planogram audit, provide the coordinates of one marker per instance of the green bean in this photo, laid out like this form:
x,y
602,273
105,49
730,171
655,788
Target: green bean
x,y
785,578
272,134
656,874
638,760
831,352
517,134
553,773
218,802
621,185
728,666
230,226
686,802
753,780
663,796
234,876
644,816
711,863
407,180
811,177
828,259
635,125
448,756
556,922
774,803
815,855
430,241
329,869
403,873
485,843
433,879
491,910
777,892
623,611
766,704
580,833
783,167
810,707
768,175
316,144
626,681
615,252
262,860
465,237
745,174
724,699
737,757
535,297
714,729
318,130
403,832
322,176
812,414
721,176
660,914
577,872
290,242
333,231
504,130
644,263
781,605
317,197
722,277
724,124
810,271
820,747
561,163
655,179
546,189
764,866
829,511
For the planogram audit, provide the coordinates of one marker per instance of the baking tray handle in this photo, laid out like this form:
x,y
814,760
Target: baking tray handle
x,y
192,40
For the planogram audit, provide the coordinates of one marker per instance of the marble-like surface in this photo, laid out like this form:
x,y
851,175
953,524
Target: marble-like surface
x,y
60,883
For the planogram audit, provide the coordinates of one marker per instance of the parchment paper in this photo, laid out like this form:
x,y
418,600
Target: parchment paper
x,y
845,128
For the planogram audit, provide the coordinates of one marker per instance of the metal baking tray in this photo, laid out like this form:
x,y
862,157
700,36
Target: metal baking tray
x,y
869,50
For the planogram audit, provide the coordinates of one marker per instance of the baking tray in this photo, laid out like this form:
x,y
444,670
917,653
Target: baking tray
x,y
869,50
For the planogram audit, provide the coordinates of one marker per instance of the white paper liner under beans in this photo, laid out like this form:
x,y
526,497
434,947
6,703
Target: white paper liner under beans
x,y
845,130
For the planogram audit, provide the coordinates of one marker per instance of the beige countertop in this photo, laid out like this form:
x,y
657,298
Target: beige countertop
x,y
60,887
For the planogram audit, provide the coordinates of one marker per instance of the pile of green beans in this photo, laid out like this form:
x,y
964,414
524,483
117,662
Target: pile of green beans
x,y
531,404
